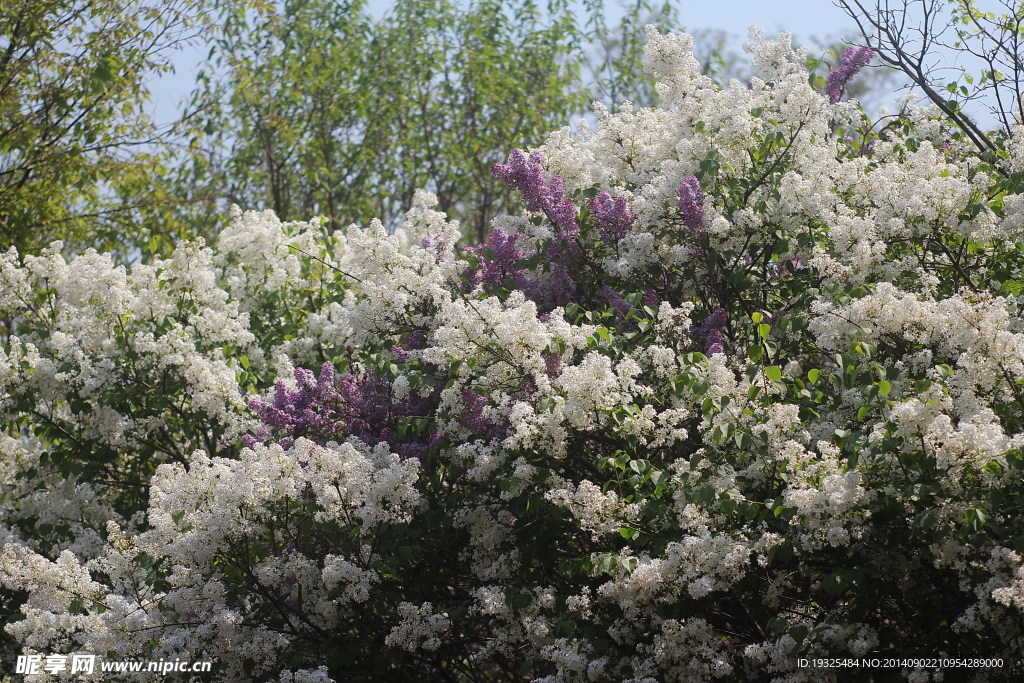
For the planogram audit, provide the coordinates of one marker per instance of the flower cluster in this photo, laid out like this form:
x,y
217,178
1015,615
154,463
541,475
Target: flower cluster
x,y
525,174
853,60
691,203
611,216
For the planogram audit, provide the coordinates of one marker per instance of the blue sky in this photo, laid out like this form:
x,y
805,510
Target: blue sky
x,y
803,18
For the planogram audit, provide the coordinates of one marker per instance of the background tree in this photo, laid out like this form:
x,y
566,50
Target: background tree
x,y
616,68
313,107
77,154
937,44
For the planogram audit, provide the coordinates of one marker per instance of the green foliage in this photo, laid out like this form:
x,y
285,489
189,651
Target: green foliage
x,y
72,126
314,107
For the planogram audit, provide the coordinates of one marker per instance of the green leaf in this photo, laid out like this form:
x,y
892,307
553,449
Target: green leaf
x,y
566,628
839,582
776,625
1013,287
774,373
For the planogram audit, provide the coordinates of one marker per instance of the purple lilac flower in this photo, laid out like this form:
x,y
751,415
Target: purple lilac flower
x,y
406,451
312,409
691,201
611,216
716,320
437,243
250,440
714,343
553,364
413,340
555,291
621,306
560,286
358,405
853,60
474,420
367,406
501,264
320,410
711,330
526,176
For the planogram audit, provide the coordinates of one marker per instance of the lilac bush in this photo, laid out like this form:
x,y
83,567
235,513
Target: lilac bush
x,y
729,394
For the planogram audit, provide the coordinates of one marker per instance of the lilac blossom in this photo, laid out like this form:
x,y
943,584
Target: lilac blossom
x,y
557,290
711,331
261,435
498,261
713,344
691,201
502,262
621,306
526,176
322,410
611,216
473,419
313,409
437,244
413,340
553,364
854,59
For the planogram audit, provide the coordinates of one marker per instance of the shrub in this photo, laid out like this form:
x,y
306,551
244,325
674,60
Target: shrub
x,y
742,385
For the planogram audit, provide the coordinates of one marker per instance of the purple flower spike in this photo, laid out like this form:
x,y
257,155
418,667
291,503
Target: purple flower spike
x,y
716,320
691,201
854,59
714,343
556,291
611,216
312,409
553,364
621,306
711,330
526,176
250,440
474,420
502,264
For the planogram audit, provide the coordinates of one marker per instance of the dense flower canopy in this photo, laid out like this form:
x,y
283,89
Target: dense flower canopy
x,y
743,384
